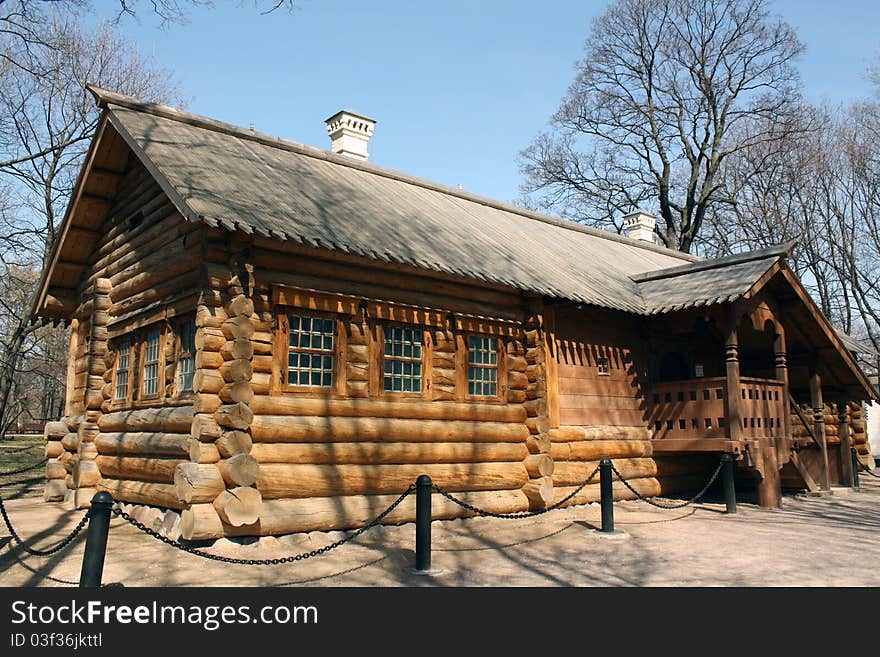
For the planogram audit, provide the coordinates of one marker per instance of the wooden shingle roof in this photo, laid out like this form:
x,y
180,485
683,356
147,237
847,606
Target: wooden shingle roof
x,y
234,178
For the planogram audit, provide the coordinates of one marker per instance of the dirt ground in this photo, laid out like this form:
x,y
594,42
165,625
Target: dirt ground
x,y
824,541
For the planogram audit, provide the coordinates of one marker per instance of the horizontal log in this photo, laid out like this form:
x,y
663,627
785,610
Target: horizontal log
x,y
238,392
198,483
210,381
53,449
574,473
55,469
239,506
208,360
206,402
236,370
377,453
262,363
286,516
141,492
55,430
240,348
261,382
234,416
593,450
538,444
287,480
210,316
517,380
275,428
155,469
237,327
539,492
70,442
647,487
264,405
170,420
231,443
200,452
205,428
209,339
86,474
240,306
599,432
143,444
538,465
239,470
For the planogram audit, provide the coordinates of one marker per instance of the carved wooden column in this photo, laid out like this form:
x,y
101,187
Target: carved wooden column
x,y
783,443
846,464
818,407
732,394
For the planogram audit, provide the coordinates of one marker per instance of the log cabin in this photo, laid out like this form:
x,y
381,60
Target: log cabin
x,y
271,338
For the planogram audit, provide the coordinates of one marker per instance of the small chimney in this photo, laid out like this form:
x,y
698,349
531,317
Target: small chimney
x,y
640,226
350,133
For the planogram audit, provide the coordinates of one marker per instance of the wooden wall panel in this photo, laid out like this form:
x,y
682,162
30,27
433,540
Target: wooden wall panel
x,y
586,396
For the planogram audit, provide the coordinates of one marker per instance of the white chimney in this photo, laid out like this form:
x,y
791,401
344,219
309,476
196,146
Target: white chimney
x,y
350,133
640,226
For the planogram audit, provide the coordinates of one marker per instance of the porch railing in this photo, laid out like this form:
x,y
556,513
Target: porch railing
x,y
694,408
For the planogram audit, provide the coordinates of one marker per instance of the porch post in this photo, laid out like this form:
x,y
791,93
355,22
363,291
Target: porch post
x,y
783,445
847,476
732,393
819,422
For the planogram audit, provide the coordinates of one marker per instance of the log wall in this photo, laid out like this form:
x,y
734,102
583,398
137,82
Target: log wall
x,y
144,270
586,396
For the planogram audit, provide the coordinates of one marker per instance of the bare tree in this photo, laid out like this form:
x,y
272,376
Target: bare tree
x,y
47,121
651,116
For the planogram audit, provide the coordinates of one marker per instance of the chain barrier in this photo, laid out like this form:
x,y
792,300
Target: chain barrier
x,y
867,470
264,562
30,467
42,553
516,514
669,507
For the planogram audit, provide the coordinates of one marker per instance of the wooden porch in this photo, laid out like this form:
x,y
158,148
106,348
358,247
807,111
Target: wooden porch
x,y
692,415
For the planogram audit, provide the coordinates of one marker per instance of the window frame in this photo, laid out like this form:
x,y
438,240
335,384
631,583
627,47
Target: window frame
x,y
461,368
500,371
179,327
600,360
129,388
160,362
282,351
377,361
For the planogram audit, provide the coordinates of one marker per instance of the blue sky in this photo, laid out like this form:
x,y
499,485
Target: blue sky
x,y
458,87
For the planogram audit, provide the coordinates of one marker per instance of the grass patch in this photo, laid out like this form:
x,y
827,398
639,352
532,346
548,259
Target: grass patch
x,y
17,454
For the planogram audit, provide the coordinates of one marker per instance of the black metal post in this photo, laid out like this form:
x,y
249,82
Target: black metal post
x,y
727,480
855,467
606,496
424,486
96,541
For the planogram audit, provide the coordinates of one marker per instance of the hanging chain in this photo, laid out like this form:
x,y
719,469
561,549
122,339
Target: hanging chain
x,y
516,514
669,507
867,470
42,553
30,467
265,562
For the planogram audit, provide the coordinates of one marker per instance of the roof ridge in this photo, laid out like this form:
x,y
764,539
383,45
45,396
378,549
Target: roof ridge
x,y
737,258
104,98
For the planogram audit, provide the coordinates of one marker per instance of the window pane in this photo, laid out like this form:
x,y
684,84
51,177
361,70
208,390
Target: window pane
x,y
482,366
310,356
403,355
123,350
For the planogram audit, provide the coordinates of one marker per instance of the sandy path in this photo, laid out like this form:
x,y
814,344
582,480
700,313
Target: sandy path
x,y
810,542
